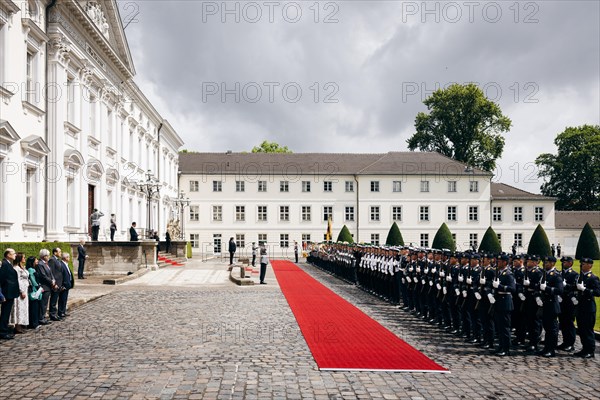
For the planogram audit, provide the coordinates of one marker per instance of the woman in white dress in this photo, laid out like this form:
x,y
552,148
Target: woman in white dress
x,y
19,316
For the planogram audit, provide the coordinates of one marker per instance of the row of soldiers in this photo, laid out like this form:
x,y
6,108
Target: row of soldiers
x,y
481,297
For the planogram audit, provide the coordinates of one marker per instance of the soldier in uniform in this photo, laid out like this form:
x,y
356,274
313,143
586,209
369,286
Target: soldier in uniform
x,y
472,283
454,297
518,314
485,289
567,307
504,287
550,288
588,288
533,302
465,271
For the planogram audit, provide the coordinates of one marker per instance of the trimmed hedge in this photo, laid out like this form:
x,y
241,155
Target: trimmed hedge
x,y
539,244
587,245
490,242
345,235
33,249
394,237
443,239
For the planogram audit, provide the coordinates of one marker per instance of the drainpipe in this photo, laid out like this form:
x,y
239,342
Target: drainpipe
x,y
46,19
357,210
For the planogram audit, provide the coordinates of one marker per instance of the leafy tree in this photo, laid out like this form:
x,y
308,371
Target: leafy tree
x,y
490,242
539,244
587,246
573,175
461,124
394,237
270,147
345,235
443,239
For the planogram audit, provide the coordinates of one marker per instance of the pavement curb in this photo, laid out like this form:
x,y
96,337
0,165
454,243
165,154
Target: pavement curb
x,y
235,276
117,281
79,302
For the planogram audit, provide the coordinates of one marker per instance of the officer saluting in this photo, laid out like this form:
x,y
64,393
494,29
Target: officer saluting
x,y
588,288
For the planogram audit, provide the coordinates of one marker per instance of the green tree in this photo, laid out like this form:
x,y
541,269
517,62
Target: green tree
x,y
443,239
539,244
394,237
461,124
345,235
490,242
573,174
587,246
270,147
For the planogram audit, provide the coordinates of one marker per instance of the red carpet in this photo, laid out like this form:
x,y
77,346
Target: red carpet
x,y
339,335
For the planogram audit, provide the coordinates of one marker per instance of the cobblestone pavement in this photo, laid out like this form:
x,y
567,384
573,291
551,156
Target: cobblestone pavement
x,y
228,342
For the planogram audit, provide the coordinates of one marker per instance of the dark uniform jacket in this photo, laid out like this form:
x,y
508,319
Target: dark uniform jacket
x,y
503,294
586,298
554,288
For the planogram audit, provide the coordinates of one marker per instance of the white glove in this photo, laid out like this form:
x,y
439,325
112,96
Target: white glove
x,y
461,278
491,298
430,283
464,293
457,292
543,287
477,295
482,281
422,281
522,296
438,286
426,270
418,269
448,279
526,282
403,281
496,283
408,279
574,301
445,290
581,286
539,301
559,299
442,274
469,280
410,269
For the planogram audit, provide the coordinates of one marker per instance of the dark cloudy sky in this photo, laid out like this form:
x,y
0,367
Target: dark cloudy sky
x,y
350,76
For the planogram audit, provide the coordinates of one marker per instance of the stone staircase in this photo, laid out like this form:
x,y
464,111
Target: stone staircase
x,y
168,260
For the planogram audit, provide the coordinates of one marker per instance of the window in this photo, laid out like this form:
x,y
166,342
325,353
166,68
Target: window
x,y
519,239
375,239
240,186
217,213
451,213
284,186
327,213
474,186
92,122
397,186
195,240
424,186
31,77
499,238
305,238
349,186
374,214
305,213
240,213
349,213
194,186
70,202
454,237
262,186
262,238
497,214
30,195
109,128
374,186
518,214
424,213
473,213
397,213
194,213
327,186
473,240
217,243
284,213
262,213
217,186
240,240
451,186
539,214
70,101
284,240
424,239
306,186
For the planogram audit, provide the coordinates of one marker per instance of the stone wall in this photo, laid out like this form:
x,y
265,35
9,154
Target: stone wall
x,y
116,258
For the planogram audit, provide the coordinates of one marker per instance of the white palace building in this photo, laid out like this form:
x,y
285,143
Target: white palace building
x,y
76,133
282,198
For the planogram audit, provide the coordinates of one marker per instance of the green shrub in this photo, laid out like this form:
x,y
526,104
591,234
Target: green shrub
x,y
443,239
539,244
345,235
394,237
188,250
587,246
490,242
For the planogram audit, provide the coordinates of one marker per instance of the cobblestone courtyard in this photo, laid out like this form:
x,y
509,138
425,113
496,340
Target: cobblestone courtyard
x,y
227,342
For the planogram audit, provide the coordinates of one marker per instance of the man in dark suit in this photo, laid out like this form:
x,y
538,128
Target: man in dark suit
x,y
551,287
46,280
56,267
588,288
67,284
133,233
81,257
232,249
9,291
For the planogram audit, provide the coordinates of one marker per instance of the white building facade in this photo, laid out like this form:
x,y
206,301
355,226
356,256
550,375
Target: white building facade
x,y
76,132
282,198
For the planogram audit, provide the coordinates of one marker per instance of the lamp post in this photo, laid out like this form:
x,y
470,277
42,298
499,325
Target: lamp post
x,y
181,202
149,187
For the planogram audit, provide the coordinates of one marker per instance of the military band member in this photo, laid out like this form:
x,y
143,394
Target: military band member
x,y
550,288
588,288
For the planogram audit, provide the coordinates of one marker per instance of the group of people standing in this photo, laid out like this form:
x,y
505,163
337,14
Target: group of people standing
x,y
484,298
33,290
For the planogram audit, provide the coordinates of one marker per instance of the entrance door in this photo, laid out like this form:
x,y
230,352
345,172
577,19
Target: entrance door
x,y
91,202
217,243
